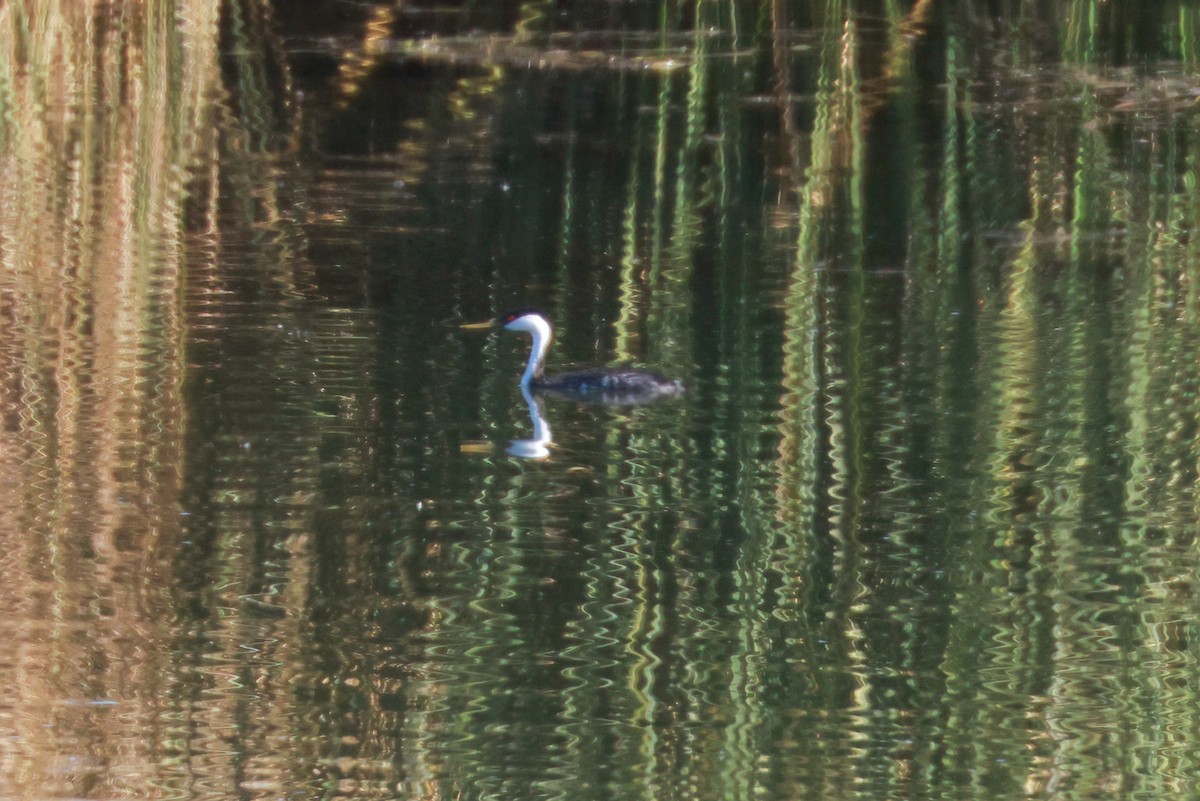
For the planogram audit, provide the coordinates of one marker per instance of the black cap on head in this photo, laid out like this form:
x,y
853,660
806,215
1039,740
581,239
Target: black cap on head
x,y
517,314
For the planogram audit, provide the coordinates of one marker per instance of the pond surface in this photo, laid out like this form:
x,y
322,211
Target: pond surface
x,y
923,524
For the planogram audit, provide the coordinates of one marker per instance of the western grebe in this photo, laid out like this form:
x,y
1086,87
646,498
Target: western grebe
x,y
617,385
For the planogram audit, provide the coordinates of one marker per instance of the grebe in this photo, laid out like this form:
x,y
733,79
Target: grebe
x,y
620,385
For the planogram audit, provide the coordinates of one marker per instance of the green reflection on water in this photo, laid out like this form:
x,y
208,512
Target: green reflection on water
x,y
921,527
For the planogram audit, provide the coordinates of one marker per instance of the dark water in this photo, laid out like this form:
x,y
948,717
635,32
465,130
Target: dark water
x,y
922,526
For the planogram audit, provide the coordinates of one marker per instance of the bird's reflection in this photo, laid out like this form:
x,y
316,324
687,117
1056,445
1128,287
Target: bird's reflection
x,y
537,446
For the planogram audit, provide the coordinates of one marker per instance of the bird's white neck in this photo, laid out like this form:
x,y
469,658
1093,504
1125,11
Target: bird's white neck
x,y
539,329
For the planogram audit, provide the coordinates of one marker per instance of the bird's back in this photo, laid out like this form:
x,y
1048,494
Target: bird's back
x,y
615,386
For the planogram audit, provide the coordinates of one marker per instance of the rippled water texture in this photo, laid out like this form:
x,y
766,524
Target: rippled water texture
x,y
274,524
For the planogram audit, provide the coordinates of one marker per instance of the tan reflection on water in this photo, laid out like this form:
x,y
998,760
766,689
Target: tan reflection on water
x,y
91,200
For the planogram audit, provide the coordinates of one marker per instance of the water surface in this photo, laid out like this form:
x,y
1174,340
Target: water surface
x,y
921,526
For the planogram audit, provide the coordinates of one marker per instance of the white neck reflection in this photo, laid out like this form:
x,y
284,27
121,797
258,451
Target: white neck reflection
x,y
537,446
